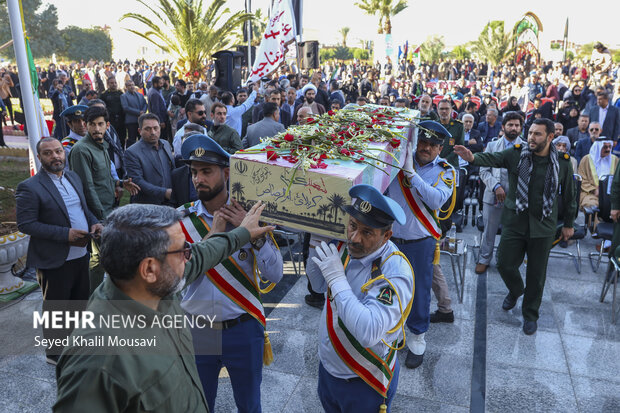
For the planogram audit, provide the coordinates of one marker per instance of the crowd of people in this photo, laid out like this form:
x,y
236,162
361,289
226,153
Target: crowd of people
x,y
167,140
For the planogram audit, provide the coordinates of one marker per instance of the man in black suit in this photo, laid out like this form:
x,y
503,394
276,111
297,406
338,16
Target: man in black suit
x,y
607,115
52,209
578,132
157,105
473,141
149,162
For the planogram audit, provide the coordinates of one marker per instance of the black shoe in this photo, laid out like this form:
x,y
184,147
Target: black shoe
x,y
316,301
52,359
529,327
439,317
509,302
413,361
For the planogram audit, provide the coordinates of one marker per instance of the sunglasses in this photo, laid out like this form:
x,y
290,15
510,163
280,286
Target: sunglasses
x,y
594,129
187,251
201,113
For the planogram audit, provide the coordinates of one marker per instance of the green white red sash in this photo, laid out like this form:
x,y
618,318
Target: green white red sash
x,y
68,142
373,369
227,276
426,216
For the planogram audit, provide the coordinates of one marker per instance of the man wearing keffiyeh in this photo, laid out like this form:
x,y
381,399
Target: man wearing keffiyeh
x,y
538,176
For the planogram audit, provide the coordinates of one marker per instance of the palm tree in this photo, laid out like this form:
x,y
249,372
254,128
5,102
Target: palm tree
x,y
336,202
430,50
259,24
237,190
188,32
344,32
385,9
494,44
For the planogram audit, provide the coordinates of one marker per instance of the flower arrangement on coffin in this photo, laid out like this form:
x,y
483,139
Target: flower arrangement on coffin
x,y
342,135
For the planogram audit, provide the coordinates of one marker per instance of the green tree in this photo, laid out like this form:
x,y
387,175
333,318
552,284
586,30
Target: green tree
x,y
616,56
259,25
342,53
385,9
86,44
432,48
360,54
494,44
461,52
585,51
41,22
326,54
187,31
336,201
344,32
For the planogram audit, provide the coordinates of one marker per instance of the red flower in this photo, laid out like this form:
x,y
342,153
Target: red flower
x,y
331,112
360,159
309,120
395,143
271,154
323,156
322,165
288,137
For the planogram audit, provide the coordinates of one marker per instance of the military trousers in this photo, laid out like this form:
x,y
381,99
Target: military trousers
x,y
510,255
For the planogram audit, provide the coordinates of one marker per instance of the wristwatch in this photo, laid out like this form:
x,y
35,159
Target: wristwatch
x,y
258,243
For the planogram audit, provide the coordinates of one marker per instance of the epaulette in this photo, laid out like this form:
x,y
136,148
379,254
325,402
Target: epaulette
x,y
445,165
457,120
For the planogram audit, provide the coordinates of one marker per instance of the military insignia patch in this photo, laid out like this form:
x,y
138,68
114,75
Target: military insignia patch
x,y
517,146
386,296
451,142
566,156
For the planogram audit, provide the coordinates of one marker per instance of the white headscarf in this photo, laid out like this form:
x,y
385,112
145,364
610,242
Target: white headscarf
x,y
602,165
308,86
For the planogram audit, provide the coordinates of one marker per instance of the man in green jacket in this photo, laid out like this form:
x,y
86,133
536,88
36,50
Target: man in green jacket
x,y
455,127
144,252
90,160
224,135
538,174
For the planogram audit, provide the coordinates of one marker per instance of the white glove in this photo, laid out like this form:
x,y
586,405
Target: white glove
x,y
408,166
328,260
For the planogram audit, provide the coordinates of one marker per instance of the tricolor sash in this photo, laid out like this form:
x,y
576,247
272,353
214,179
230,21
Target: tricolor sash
x,y
68,142
426,216
370,367
227,276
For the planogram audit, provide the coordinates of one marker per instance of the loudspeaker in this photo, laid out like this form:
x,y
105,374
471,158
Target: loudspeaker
x,y
308,54
244,50
228,70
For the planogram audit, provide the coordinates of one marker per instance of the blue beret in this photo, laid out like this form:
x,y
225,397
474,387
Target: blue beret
x,y
75,111
431,131
373,208
203,149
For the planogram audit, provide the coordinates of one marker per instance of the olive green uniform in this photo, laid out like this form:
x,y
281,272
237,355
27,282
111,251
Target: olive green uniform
x,y
526,231
156,379
455,128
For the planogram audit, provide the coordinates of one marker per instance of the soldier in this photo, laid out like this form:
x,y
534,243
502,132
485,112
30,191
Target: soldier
x,y
369,287
232,289
455,129
425,186
537,175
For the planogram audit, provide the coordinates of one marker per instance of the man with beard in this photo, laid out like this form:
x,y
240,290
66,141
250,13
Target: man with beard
x,y
309,93
148,260
134,106
196,114
90,160
150,163
369,286
496,186
52,209
422,187
598,163
223,134
456,135
537,176
582,148
225,289
425,106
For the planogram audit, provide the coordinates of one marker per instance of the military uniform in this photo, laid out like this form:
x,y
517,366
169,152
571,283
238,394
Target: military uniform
x,y
455,128
362,319
615,204
163,378
232,292
526,231
422,193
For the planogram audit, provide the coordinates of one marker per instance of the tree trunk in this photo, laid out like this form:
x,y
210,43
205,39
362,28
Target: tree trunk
x,y
388,25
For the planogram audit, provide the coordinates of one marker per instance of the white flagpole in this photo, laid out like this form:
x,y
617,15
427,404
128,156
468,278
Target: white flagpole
x,y
28,99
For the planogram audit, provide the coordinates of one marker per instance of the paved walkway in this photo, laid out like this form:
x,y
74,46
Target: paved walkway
x,y
570,365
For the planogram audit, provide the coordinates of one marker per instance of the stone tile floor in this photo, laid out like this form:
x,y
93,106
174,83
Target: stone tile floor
x,y
571,364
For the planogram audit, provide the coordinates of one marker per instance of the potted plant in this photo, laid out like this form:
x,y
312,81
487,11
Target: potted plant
x,y
13,245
